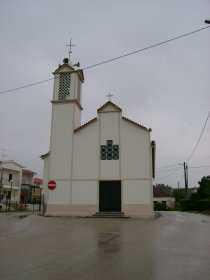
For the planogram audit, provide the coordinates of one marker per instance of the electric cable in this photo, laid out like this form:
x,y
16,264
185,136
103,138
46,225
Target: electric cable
x,y
170,174
199,138
113,59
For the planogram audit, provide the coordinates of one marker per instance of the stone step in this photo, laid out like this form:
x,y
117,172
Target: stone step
x,y
109,215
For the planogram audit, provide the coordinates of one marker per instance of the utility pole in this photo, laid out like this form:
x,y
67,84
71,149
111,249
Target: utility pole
x,y
186,179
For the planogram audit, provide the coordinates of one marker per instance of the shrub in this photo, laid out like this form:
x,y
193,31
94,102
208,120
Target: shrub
x,y
202,205
187,205
158,206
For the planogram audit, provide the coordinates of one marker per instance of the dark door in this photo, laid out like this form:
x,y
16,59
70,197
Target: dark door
x,y
110,196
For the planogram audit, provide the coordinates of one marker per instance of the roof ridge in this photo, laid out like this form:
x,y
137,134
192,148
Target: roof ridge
x,y
85,124
131,121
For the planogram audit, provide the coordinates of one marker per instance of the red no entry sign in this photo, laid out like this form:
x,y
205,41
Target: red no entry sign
x,y
51,185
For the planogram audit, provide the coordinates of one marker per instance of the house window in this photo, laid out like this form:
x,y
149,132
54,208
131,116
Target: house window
x,y
64,86
109,151
10,177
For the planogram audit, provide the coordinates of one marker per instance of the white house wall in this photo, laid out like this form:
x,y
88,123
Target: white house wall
x,y
27,178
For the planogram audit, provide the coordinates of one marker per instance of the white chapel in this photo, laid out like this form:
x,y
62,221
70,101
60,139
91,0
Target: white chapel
x,y
103,166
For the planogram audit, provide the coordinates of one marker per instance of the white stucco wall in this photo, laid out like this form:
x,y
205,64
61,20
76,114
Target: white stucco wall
x,y
84,192
136,192
109,129
61,140
46,178
61,194
170,201
135,151
86,153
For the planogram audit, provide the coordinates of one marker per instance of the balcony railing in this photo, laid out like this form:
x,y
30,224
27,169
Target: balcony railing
x,y
5,181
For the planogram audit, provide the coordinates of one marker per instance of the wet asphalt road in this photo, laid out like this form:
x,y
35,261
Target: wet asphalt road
x,y
175,246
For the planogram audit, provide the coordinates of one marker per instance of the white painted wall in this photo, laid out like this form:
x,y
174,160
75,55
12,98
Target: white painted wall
x,y
136,192
135,151
61,140
46,176
170,201
85,192
61,194
86,153
109,125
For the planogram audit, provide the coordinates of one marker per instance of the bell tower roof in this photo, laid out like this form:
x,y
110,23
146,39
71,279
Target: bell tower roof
x,y
67,66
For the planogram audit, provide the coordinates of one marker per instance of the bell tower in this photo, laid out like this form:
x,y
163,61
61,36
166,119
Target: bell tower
x,y
66,117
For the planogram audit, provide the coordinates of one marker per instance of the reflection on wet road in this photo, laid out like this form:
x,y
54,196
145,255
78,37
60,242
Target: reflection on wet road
x,y
175,246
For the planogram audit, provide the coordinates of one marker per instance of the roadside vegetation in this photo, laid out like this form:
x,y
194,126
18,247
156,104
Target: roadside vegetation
x,y
198,201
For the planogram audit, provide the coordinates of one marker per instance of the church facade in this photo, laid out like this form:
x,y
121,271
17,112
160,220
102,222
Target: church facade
x,y
104,165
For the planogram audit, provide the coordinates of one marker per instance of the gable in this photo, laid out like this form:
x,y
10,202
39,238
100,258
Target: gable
x,y
67,68
12,165
64,68
109,107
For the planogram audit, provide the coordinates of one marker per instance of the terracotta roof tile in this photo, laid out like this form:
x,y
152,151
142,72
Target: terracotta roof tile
x,y
159,192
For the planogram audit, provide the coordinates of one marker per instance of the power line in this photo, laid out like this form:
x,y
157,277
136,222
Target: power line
x,y
29,85
202,166
170,174
146,48
166,166
115,58
198,138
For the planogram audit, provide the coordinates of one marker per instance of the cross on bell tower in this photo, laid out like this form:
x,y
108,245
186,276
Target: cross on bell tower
x,y
70,46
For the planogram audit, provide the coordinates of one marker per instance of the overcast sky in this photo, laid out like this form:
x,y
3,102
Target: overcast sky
x,y
166,88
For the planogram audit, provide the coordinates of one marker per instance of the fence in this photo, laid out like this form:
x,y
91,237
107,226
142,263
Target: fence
x,y
9,206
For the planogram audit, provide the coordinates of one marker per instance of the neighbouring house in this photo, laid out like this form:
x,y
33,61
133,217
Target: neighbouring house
x,y
11,177
37,191
105,165
27,187
17,183
163,197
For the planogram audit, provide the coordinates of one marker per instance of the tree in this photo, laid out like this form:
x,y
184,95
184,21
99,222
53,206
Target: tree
x,y
204,188
178,194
